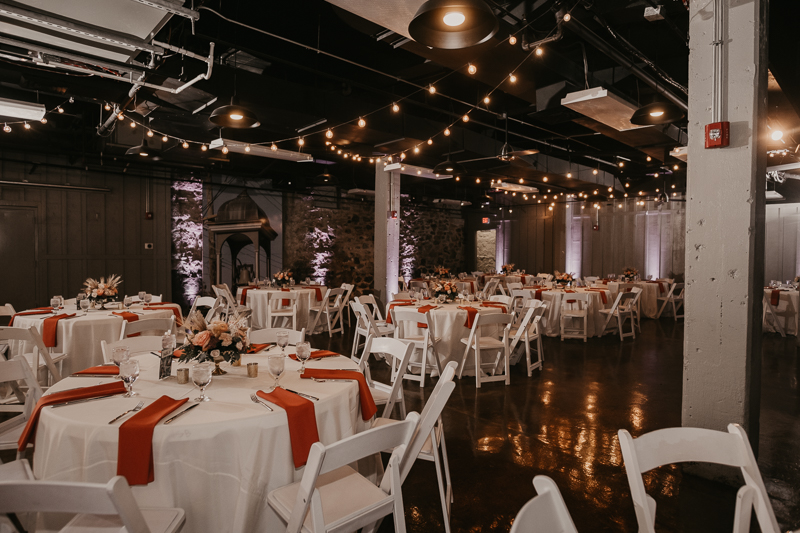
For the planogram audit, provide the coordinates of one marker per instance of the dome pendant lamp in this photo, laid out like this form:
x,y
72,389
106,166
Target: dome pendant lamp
x,y
657,113
234,116
453,24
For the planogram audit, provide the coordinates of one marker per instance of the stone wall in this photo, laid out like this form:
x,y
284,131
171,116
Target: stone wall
x,y
486,244
334,245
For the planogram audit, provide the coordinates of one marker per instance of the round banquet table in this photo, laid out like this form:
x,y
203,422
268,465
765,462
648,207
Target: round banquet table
x,y
258,301
786,310
80,337
217,462
596,319
448,324
651,291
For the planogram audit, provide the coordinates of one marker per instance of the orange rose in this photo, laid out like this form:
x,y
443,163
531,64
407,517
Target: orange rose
x,y
203,340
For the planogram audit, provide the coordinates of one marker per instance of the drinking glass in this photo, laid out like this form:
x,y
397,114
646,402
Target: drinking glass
x,y
148,298
291,282
120,354
283,340
201,376
54,303
303,351
142,295
127,302
61,300
85,305
129,371
275,365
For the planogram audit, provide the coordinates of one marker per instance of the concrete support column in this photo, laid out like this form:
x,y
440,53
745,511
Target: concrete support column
x,y
725,221
387,229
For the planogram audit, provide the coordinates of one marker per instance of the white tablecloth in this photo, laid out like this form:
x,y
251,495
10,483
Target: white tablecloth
x,y
80,337
596,319
258,301
649,300
218,462
787,312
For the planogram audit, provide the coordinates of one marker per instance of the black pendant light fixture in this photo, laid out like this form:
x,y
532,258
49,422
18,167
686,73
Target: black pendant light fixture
x,y
234,116
449,168
143,150
453,24
657,113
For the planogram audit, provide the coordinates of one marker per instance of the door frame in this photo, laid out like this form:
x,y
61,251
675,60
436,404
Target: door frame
x,y
33,206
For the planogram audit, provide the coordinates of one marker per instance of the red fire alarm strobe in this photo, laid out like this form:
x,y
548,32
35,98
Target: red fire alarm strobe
x,y
718,134
596,227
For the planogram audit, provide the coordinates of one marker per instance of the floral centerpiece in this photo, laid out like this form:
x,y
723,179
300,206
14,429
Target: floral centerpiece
x,y
508,269
629,272
282,278
103,291
441,271
217,341
446,289
563,279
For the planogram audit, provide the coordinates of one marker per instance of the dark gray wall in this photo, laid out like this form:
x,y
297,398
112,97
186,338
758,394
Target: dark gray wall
x,y
84,234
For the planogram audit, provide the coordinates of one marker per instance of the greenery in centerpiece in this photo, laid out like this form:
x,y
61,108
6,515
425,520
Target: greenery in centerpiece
x,y
205,342
446,289
103,291
508,269
282,278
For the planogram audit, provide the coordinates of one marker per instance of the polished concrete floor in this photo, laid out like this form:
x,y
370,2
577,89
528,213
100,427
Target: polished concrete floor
x,y
563,423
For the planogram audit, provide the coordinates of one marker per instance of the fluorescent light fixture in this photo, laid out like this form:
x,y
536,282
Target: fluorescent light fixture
x,y
413,170
21,110
515,187
448,201
260,151
681,152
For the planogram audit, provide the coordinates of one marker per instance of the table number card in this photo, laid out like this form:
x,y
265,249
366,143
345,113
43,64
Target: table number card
x,y
165,368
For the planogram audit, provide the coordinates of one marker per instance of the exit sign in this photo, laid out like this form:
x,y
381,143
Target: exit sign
x,y
485,220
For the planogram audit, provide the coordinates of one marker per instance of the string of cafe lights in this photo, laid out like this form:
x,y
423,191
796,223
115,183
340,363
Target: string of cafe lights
x,y
26,124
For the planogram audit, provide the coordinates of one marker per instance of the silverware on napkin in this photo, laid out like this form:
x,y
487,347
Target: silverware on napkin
x,y
302,394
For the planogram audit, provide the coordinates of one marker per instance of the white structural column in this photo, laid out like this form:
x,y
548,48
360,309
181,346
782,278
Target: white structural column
x,y
387,228
725,220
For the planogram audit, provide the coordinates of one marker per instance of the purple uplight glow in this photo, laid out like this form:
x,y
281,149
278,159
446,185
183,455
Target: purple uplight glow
x,y
187,239
321,242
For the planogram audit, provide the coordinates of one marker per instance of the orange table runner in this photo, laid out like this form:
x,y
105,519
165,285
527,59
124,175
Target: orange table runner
x,y
368,407
496,306
602,294
243,299
135,449
775,297
29,432
111,370
392,306
50,328
471,314
302,421
26,313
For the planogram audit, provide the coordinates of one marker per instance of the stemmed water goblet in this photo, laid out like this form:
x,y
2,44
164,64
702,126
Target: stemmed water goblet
x,y
54,303
283,340
129,372
303,352
275,365
127,302
85,303
120,354
142,295
201,377
148,298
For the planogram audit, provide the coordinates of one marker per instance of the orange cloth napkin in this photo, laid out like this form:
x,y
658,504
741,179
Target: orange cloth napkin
x,y
602,294
522,278
317,354
285,303
26,313
471,313
111,370
392,306
775,298
302,421
128,317
62,397
424,309
319,291
135,450
243,299
496,306
368,407
660,286
253,348
175,311
51,327
539,292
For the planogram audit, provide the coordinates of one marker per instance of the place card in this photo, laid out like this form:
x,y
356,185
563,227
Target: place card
x,y
165,367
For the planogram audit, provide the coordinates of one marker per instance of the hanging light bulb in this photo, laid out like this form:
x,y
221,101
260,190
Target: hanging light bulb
x,y
164,139
301,141
339,152
512,40
594,172
655,175
567,17
149,133
204,147
569,174
512,78
416,149
675,167
544,179
395,107
61,109
465,118
247,148
27,126
133,124
539,51
431,89
430,141
486,100
402,156
521,180
621,164
361,122
44,120
649,158
627,185
333,148
458,178
224,149
329,134
185,144
7,128
107,107
477,180
120,115
371,159
274,147
472,69
446,131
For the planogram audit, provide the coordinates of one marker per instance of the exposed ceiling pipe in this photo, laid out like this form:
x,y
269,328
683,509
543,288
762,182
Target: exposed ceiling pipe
x,y
556,37
592,38
169,7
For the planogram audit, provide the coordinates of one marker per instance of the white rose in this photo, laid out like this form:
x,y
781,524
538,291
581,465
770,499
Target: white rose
x,y
214,353
239,345
94,293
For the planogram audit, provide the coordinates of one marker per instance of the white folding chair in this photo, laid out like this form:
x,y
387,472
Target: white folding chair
x,y
283,305
544,513
636,307
397,353
7,310
261,336
687,444
15,372
401,282
348,291
674,297
144,343
331,307
491,288
147,325
590,280
371,305
40,357
526,332
332,496
513,286
575,308
366,325
622,309
502,299
428,440
425,341
401,296
224,293
478,340
102,507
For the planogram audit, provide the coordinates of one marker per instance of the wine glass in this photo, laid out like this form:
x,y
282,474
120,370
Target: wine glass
x,y
129,372
54,303
283,340
127,302
275,365
142,295
201,376
303,352
60,301
120,354
85,303
148,298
